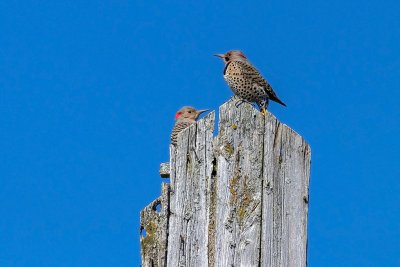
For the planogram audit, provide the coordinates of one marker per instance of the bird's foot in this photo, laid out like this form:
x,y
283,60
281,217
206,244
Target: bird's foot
x,y
263,111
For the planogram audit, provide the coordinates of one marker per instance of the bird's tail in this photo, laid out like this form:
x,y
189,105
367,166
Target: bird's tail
x,y
277,100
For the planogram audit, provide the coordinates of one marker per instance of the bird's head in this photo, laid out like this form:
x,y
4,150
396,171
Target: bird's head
x,y
233,55
188,114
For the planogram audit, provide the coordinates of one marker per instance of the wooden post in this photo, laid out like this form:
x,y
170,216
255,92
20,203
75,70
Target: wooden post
x,y
239,199
154,230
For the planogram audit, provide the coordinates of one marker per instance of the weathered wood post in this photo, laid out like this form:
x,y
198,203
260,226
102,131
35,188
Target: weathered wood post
x,y
239,199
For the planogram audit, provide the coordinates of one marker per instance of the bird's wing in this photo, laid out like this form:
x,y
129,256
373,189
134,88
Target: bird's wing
x,y
251,73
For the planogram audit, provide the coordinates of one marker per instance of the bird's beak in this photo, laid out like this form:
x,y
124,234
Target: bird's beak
x,y
202,111
219,55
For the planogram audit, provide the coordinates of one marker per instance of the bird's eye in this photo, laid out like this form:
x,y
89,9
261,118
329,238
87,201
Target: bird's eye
x,y
226,58
189,111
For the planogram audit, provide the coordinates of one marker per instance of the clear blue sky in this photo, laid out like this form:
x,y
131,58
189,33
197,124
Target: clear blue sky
x,y
89,91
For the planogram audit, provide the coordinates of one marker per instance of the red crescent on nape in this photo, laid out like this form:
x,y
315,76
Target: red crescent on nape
x,y
178,114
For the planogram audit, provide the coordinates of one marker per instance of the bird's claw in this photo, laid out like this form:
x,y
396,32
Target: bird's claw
x,y
241,101
263,112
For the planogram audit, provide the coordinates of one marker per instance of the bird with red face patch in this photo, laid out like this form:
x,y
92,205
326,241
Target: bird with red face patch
x,y
245,81
185,117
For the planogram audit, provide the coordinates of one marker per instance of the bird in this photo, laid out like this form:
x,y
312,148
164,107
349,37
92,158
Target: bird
x,y
185,117
246,81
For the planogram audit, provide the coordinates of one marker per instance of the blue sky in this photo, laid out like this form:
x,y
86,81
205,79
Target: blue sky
x,y
89,91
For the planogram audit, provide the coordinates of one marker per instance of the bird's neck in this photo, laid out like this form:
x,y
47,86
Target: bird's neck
x,y
189,120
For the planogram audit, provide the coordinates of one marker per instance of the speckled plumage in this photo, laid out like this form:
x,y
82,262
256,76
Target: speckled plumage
x,y
185,117
246,81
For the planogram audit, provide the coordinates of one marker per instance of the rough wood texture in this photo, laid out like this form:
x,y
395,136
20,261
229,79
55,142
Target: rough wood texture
x,y
154,230
287,159
240,199
188,238
164,170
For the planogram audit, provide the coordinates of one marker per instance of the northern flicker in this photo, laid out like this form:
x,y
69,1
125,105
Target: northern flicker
x,y
185,117
245,80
